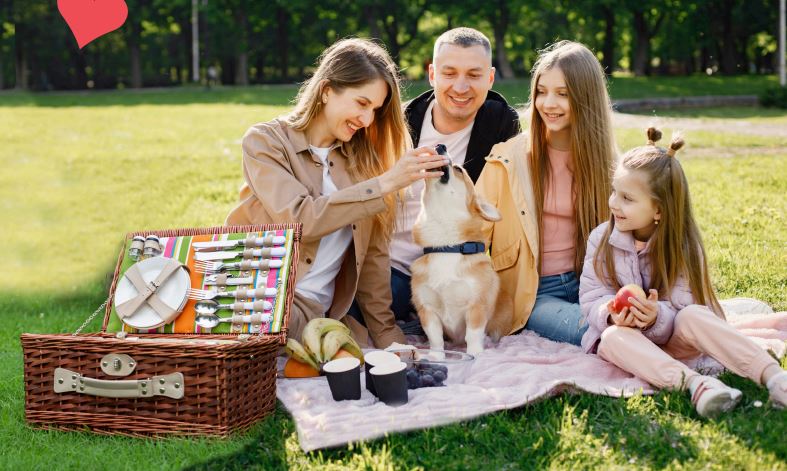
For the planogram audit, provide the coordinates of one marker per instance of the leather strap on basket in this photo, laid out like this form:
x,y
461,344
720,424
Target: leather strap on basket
x,y
147,291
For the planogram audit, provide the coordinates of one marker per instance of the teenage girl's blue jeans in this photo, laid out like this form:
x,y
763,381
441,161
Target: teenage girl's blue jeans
x,y
556,314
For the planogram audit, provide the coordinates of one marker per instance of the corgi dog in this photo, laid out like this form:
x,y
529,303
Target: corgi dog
x,y
455,289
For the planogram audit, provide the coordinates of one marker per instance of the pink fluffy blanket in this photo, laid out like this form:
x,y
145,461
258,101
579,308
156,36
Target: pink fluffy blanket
x,y
519,370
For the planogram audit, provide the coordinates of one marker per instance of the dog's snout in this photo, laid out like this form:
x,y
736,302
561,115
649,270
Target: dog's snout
x,y
446,174
446,169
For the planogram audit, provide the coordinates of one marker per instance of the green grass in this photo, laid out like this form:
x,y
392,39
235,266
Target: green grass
x,y
76,178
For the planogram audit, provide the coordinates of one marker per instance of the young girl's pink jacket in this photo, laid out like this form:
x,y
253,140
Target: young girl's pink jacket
x,y
630,267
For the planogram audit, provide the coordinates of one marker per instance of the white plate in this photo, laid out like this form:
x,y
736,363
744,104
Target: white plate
x,y
173,292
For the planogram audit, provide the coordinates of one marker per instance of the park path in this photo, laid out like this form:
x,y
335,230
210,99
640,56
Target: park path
x,y
735,126
716,125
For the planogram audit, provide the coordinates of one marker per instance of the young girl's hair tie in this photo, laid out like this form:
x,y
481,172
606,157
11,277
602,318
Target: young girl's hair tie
x,y
675,145
653,136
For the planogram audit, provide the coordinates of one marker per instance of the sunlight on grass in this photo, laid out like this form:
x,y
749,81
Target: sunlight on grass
x,y
76,179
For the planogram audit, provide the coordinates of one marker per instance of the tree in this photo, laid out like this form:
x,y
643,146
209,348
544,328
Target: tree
x,y
647,17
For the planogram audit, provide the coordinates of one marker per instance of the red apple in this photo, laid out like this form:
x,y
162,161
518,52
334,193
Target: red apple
x,y
623,295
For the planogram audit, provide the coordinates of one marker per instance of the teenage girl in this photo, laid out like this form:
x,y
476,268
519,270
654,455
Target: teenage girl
x,y
550,185
652,240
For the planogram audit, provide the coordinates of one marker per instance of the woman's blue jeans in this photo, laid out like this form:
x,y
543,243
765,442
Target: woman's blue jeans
x,y
556,314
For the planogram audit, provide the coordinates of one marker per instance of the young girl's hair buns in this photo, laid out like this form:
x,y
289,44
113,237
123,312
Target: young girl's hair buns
x,y
654,135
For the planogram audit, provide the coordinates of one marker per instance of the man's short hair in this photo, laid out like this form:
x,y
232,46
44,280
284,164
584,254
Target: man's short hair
x,y
463,37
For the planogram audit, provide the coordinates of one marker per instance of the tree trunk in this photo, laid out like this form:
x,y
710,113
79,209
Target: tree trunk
x,y
608,48
728,56
242,48
260,78
282,41
500,21
370,15
641,49
136,66
20,57
242,69
392,33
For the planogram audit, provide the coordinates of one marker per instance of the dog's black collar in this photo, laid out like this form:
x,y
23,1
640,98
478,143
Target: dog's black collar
x,y
468,248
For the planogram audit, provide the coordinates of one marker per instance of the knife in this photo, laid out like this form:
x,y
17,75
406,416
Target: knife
x,y
267,252
214,245
224,279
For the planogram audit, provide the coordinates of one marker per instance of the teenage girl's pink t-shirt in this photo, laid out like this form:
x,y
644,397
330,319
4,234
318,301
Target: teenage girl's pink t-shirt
x,y
559,227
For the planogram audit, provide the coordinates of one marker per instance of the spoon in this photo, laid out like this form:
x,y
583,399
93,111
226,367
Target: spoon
x,y
209,321
209,306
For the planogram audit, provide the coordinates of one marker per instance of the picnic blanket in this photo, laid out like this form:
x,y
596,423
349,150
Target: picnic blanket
x,y
521,369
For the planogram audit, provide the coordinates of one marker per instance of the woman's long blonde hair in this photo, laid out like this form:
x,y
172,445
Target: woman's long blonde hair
x,y
592,143
351,63
675,248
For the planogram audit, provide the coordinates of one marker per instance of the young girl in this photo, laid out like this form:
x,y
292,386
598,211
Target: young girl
x,y
550,187
333,165
652,240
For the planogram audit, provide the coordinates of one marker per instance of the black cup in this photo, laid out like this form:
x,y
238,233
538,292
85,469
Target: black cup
x,y
344,378
374,358
390,382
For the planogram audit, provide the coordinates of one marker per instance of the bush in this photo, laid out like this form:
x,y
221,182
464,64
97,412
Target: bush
x,y
774,97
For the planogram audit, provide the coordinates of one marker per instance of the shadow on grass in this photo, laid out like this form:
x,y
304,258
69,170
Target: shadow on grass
x,y
278,95
272,95
267,450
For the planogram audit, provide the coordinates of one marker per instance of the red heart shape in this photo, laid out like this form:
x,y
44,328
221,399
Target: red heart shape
x,y
90,19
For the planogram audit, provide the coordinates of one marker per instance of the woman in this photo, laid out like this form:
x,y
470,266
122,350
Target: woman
x,y
333,164
551,188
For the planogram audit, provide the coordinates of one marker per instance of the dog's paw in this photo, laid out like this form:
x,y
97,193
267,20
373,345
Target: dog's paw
x,y
436,354
475,350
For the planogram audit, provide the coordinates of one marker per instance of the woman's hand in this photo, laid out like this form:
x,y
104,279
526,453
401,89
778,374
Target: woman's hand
x,y
645,311
415,165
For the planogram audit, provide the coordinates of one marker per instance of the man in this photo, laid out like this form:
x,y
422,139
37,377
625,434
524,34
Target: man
x,y
462,112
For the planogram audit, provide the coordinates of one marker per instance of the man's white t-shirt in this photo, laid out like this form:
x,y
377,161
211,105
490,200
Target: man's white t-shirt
x,y
403,250
320,282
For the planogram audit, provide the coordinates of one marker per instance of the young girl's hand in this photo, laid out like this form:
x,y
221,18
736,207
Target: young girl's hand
x,y
623,318
645,311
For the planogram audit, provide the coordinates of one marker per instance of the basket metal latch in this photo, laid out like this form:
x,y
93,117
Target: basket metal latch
x,y
118,364
170,385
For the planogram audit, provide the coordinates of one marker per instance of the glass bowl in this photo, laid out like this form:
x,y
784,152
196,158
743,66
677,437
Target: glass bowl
x,y
427,367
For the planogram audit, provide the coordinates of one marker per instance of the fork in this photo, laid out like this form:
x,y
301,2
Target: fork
x,y
205,294
212,267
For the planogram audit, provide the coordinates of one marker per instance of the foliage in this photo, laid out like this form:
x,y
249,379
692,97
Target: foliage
x,y
278,41
774,97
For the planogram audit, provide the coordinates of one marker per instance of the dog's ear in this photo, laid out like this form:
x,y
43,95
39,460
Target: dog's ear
x,y
487,210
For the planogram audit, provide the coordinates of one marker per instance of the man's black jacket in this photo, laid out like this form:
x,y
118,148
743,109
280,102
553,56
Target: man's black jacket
x,y
495,122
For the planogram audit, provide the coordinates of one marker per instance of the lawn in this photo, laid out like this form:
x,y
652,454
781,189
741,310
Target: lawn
x,y
81,170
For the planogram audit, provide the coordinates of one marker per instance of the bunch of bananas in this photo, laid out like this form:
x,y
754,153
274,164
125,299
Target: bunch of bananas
x,y
323,340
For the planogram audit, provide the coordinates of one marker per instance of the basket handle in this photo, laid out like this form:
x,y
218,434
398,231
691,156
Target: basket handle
x,y
170,385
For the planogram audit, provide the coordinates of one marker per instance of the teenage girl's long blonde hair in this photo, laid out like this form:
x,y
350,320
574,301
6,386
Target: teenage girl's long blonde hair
x,y
675,248
351,63
592,143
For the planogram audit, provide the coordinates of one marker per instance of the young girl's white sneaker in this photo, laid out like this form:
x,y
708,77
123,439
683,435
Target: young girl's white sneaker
x,y
712,397
777,387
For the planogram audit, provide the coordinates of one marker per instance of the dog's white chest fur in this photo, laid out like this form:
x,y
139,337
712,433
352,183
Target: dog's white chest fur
x,y
449,294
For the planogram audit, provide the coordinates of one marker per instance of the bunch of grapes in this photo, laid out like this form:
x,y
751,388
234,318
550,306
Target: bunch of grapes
x,y
425,375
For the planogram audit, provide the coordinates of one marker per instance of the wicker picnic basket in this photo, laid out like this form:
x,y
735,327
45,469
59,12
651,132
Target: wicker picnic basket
x,y
145,384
